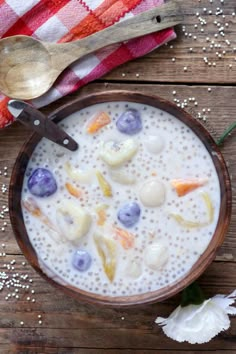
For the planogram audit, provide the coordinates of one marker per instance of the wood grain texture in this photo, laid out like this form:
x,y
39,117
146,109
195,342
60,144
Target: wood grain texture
x,y
23,58
157,66
50,350
67,324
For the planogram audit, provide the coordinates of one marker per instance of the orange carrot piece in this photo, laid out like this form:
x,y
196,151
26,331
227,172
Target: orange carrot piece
x,y
32,207
73,190
125,238
99,121
184,186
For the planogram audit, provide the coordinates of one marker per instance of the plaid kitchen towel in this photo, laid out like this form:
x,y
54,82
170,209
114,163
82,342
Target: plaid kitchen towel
x,y
69,20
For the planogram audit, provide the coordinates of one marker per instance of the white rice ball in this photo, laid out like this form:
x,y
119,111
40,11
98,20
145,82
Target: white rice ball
x,y
156,255
152,193
154,143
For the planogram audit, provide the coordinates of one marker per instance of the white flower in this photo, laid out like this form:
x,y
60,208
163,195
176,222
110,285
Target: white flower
x,y
199,323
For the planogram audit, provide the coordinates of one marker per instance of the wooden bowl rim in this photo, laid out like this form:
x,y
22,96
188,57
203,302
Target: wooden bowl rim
x,y
205,259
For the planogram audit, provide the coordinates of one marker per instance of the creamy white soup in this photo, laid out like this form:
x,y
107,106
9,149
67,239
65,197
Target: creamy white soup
x,y
131,210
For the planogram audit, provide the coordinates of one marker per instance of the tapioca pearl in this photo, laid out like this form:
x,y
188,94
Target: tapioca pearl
x,y
179,271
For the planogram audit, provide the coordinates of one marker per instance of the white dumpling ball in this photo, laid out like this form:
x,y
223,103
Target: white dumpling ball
x,y
134,269
156,255
152,193
154,143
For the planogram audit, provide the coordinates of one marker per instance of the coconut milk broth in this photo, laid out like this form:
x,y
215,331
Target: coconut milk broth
x,y
183,156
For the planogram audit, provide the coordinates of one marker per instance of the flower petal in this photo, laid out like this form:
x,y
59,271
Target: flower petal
x,y
225,301
195,323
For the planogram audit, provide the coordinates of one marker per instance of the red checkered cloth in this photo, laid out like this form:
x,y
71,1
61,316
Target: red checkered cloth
x,y
69,20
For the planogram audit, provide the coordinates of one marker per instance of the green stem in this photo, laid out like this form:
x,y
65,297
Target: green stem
x,y
225,134
192,295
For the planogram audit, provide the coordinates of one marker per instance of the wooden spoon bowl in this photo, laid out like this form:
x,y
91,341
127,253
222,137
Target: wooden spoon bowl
x,y
29,67
206,258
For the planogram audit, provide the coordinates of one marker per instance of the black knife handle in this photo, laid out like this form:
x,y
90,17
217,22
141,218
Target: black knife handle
x,y
42,125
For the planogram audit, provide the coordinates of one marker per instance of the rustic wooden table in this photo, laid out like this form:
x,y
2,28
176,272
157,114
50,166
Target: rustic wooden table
x,y
54,323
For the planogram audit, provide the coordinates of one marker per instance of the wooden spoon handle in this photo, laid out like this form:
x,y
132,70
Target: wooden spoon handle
x,y
154,20
147,22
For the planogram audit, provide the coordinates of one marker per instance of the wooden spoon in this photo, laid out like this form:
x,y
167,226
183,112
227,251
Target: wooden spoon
x,y
28,67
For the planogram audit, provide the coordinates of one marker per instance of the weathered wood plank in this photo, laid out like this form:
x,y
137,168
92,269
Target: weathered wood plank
x,y
118,338
49,350
62,314
158,66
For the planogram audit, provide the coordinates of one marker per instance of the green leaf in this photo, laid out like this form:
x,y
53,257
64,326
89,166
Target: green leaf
x,y
226,134
192,295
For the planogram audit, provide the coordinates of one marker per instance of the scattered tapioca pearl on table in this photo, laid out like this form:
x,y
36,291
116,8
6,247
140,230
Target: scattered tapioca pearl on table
x,y
4,189
4,173
214,46
191,104
15,285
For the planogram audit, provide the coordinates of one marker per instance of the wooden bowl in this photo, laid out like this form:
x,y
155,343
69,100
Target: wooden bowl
x,y
205,259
